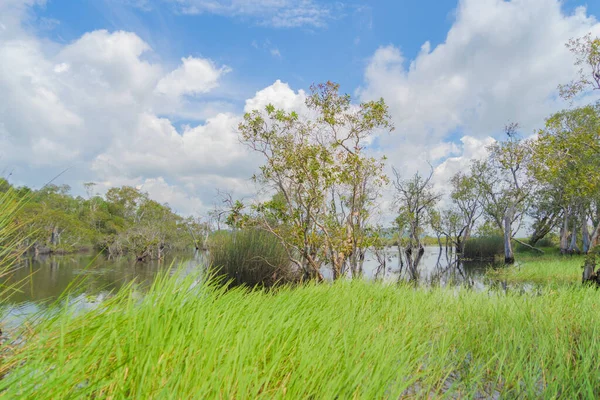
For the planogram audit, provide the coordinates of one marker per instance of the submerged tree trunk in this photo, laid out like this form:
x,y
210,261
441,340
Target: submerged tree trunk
x,y
55,237
413,258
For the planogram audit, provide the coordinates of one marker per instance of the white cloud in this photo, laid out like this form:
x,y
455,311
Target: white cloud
x,y
93,105
280,95
501,61
194,76
470,148
97,106
106,106
276,13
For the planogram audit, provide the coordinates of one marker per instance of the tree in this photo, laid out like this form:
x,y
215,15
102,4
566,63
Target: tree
x,y
545,210
414,199
505,185
587,57
323,180
466,200
567,157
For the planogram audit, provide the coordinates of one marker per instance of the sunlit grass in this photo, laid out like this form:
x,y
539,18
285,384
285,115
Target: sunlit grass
x,y
346,340
543,269
12,240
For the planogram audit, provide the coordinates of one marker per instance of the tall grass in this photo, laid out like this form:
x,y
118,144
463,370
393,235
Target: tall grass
x,y
250,257
345,340
483,248
551,270
12,241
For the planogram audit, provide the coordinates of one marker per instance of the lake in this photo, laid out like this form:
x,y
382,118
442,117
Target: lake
x,y
90,278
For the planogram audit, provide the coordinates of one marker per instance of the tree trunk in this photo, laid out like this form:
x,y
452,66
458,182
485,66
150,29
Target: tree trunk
x,y
595,237
413,258
564,233
585,236
509,256
573,249
54,237
541,229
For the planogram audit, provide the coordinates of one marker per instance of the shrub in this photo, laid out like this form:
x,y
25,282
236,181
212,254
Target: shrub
x,y
483,247
549,240
250,257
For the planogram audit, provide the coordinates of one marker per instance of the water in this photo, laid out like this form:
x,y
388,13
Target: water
x,y
90,278
435,268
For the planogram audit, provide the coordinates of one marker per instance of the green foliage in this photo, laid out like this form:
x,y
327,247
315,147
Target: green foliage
x,y
550,240
325,183
567,153
125,221
346,340
250,257
587,58
483,247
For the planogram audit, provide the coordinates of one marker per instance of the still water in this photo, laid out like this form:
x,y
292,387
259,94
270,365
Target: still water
x,y
89,278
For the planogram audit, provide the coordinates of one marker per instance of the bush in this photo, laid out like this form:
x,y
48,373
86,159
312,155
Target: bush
x,y
484,247
250,257
549,240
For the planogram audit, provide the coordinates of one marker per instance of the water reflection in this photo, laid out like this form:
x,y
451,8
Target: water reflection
x,y
44,279
434,267
90,278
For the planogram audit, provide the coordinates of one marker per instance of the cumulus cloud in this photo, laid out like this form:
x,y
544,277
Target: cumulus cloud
x,y
95,105
194,76
100,107
280,95
106,105
501,61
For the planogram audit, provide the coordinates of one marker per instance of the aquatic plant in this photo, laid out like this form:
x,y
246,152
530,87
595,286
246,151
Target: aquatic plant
x,y
483,247
250,257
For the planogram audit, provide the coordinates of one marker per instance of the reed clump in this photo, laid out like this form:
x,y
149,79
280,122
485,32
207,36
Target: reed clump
x,y
483,248
250,257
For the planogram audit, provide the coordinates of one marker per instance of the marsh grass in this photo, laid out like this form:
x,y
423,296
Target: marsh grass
x,y
12,241
250,257
483,248
345,340
545,269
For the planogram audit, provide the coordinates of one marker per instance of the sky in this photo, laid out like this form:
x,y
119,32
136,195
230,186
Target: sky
x,y
149,93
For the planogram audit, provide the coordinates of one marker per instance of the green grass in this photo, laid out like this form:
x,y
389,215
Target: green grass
x,y
346,340
250,257
12,241
544,269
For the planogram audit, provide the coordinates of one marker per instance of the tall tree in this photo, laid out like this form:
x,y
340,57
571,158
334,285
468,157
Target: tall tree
x,y
325,181
505,185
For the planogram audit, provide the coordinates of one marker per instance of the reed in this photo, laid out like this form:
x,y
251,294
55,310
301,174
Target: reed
x,y
250,257
483,248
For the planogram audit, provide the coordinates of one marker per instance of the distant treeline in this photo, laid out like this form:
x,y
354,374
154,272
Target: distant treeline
x,y
124,221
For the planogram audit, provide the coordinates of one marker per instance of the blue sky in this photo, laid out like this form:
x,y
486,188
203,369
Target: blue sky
x,y
257,52
149,92
338,51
